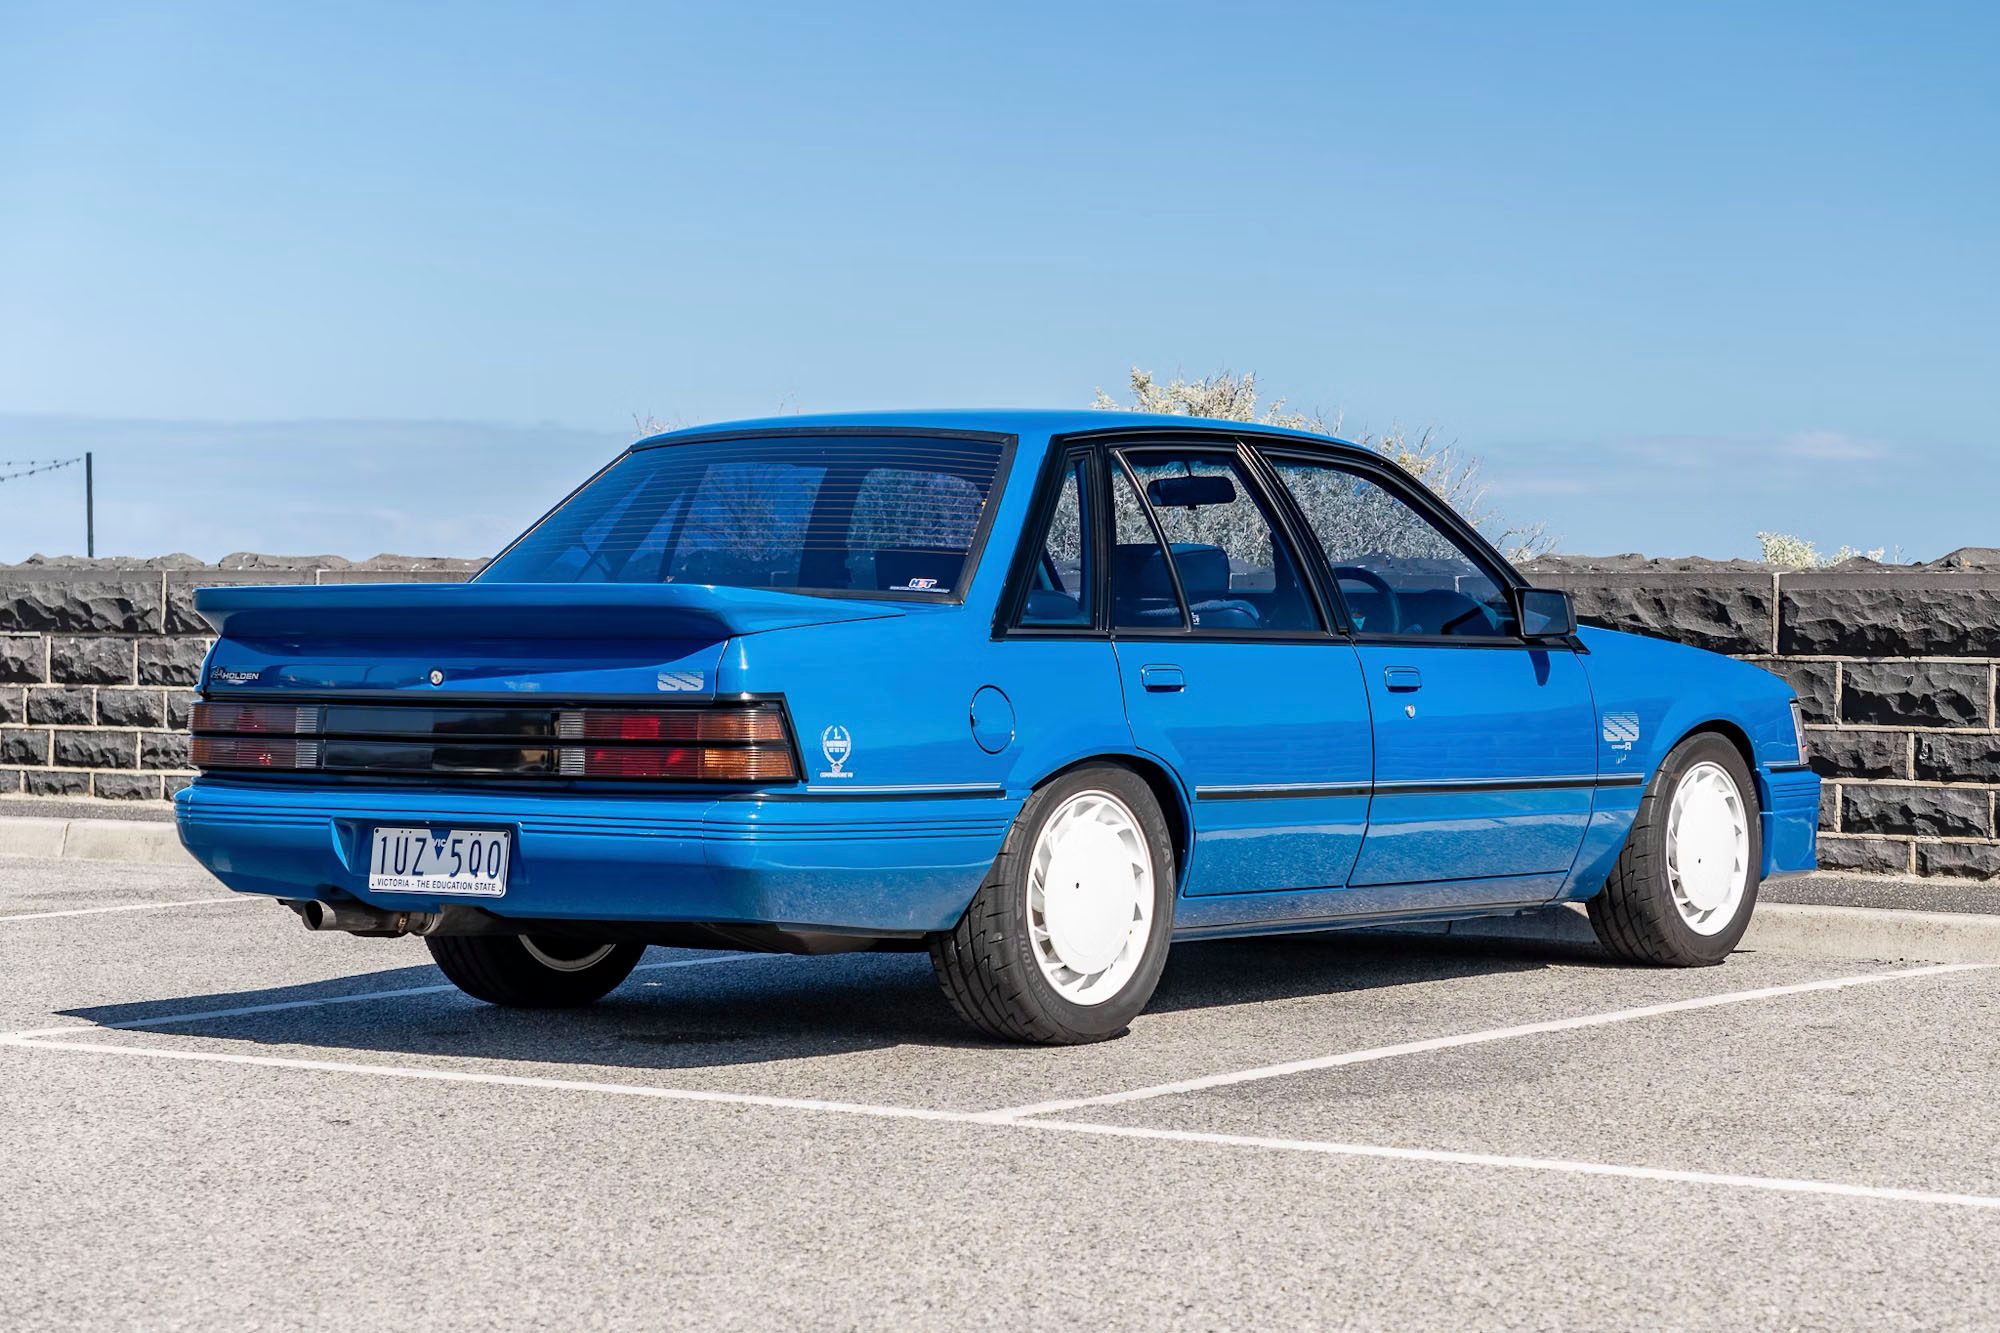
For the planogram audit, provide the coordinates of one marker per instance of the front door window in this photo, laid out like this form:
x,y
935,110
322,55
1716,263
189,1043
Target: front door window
x,y
1399,573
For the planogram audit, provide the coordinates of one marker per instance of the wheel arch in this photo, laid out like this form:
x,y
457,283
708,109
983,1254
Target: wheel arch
x,y
1166,788
1729,731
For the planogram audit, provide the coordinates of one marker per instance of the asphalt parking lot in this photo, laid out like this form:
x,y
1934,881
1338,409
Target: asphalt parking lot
x,y
221,1120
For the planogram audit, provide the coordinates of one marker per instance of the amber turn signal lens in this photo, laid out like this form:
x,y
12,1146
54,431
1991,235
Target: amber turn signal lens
x,y
683,724
692,763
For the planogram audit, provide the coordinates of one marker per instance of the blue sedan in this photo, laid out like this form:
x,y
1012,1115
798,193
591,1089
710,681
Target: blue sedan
x,y
1036,692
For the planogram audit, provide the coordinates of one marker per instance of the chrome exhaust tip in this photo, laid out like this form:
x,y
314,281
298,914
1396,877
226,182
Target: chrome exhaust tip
x,y
355,918
361,919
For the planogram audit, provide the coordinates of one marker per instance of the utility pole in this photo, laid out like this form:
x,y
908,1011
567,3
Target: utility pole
x,y
89,509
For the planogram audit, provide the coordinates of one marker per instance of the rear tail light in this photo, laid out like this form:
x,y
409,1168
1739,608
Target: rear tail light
x,y
254,752
692,763
739,742
688,724
257,719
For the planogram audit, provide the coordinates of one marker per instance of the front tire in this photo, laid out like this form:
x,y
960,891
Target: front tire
x,y
533,971
1064,942
1685,885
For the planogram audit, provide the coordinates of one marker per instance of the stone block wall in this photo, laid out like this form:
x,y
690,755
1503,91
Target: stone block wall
x,y
1898,670
1897,667
98,660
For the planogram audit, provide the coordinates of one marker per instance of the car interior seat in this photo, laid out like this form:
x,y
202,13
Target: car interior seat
x,y
1145,591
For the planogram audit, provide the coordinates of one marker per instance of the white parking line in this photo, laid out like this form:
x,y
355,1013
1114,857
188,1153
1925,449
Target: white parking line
x,y
1426,1155
1235,1077
127,907
1780,1184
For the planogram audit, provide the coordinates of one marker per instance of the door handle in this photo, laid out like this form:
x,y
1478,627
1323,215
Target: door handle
x,y
1162,678
1402,679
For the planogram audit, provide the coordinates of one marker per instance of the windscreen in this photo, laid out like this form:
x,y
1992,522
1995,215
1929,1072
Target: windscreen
x,y
853,515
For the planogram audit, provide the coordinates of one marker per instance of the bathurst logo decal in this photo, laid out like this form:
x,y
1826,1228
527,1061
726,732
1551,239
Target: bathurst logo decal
x,y
836,745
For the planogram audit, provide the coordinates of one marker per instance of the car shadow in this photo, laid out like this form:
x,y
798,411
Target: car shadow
x,y
769,1008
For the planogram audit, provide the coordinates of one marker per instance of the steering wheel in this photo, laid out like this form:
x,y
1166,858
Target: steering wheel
x,y
1362,574
1479,611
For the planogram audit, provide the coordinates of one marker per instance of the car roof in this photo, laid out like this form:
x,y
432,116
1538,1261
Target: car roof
x,y
999,421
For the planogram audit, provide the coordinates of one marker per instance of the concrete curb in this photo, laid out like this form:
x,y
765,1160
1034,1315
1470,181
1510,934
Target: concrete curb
x,y
1813,930
129,840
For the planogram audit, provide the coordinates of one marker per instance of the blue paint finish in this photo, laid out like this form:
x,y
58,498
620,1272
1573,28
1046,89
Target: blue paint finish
x,y
1273,738
375,612
1790,801
1304,791
1650,695
1458,715
844,865
992,719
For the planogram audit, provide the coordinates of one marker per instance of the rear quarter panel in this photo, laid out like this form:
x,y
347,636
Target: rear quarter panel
x,y
890,703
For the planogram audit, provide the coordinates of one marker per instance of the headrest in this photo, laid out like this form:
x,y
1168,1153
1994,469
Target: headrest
x,y
1204,571
1141,571
1046,606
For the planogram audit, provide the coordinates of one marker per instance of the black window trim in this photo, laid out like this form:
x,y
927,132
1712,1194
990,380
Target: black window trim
x,y
1186,629
1260,444
1268,506
975,548
1402,485
1028,549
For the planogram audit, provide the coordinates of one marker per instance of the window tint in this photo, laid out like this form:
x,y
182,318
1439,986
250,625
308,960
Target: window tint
x,y
1235,573
1061,590
840,514
1399,573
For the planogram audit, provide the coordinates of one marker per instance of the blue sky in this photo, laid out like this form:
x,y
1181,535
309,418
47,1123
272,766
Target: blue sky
x,y
355,277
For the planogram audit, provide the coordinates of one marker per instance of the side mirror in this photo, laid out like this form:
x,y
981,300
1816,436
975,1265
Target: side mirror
x,y
1546,613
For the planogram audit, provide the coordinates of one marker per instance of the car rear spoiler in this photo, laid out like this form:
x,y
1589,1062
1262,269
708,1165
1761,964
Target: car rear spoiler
x,y
503,611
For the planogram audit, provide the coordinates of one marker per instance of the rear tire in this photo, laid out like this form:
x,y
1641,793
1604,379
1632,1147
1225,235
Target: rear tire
x,y
533,971
1064,942
1683,889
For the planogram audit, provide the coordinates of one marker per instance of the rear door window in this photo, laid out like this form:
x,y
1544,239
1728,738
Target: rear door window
x,y
1061,588
1234,572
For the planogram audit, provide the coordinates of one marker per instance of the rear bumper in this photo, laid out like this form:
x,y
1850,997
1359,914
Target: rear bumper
x,y
1791,821
902,865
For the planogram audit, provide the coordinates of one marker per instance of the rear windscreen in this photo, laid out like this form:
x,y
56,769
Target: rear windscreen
x,y
847,514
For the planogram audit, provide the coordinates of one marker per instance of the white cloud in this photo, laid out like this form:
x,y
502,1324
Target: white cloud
x,y
1831,446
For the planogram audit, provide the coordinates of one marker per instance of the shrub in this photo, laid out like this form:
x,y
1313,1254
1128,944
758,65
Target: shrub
x,y
1451,475
1782,550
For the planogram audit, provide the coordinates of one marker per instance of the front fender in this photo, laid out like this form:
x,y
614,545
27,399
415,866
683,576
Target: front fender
x,y
1651,694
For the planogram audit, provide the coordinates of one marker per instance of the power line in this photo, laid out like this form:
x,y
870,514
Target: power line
x,y
36,465
28,467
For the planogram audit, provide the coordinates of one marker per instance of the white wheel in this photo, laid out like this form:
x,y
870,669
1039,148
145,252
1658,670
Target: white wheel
x,y
533,971
1090,897
1708,848
559,955
1067,937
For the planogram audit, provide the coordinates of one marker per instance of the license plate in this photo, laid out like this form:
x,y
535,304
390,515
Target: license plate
x,y
439,860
